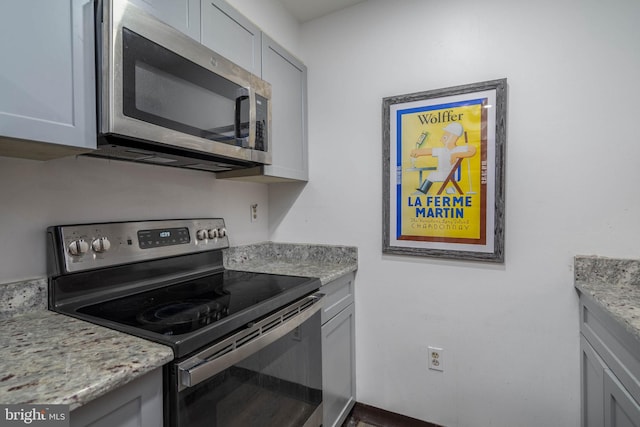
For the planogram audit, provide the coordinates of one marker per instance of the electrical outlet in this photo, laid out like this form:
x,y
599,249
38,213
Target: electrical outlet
x,y
436,359
254,212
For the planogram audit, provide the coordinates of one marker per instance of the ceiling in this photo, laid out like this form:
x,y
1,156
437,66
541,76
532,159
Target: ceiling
x,y
306,10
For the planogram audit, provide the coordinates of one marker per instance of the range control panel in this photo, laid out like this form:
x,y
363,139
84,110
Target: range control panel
x,y
84,247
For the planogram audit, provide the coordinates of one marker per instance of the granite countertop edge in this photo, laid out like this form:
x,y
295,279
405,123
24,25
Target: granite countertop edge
x,y
613,284
51,358
325,272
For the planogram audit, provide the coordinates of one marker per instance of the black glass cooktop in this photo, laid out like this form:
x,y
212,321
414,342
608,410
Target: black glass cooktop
x,y
189,306
192,313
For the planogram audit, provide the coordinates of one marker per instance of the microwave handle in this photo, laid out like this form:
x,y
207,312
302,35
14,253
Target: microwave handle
x,y
240,140
237,347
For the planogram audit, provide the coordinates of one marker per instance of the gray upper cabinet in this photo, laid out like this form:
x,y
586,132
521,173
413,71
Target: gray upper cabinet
x,y
183,15
232,35
227,32
47,107
288,78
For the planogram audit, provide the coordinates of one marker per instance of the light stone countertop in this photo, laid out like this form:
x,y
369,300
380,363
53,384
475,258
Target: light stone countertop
x,y
323,261
614,284
22,297
51,358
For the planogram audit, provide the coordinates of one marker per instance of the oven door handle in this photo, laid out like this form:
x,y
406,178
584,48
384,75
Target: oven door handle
x,y
240,345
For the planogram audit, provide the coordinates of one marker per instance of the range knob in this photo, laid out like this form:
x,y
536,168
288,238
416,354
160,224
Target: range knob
x,y
202,234
78,247
214,233
101,244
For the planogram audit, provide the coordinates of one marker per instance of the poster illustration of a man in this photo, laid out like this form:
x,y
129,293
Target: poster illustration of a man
x,y
447,156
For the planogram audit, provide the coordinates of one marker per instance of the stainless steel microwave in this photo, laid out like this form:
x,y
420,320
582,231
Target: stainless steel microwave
x,y
164,98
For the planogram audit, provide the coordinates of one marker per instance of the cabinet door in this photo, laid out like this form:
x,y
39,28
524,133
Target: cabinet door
x,y
183,15
288,78
136,404
47,78
227,32
339,293
620,409
338,367
592,369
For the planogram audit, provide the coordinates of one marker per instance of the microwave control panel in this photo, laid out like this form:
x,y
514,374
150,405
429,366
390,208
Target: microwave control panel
x,y
262,128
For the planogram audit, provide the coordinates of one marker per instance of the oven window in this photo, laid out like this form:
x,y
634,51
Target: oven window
x,y
165,89
279,386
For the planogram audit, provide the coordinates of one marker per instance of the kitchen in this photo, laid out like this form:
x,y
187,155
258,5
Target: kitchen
x,y
510,331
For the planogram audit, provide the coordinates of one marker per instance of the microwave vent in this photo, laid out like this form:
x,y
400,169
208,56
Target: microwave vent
x,y
156,159
119,153
213,167
114,148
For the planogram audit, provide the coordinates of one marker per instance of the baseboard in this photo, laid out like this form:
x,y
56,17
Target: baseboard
x,y
372,415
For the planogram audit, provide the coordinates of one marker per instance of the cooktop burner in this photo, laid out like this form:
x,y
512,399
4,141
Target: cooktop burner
x,y
182,316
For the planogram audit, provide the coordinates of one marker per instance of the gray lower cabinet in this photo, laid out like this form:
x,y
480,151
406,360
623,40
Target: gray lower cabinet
x,y
592,369
610,369
620,408
136,404
338,350
183,15
47,106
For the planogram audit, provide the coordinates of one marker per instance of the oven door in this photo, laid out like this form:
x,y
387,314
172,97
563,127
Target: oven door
x,y
269,374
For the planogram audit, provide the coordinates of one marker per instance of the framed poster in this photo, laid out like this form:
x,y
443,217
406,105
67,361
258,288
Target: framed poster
x,y
443,172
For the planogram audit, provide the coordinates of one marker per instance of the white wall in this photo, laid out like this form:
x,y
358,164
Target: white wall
x,y
35,195
509,332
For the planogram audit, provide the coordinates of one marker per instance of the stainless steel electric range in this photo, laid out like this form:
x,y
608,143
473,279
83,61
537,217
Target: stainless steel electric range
x,y
247,345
